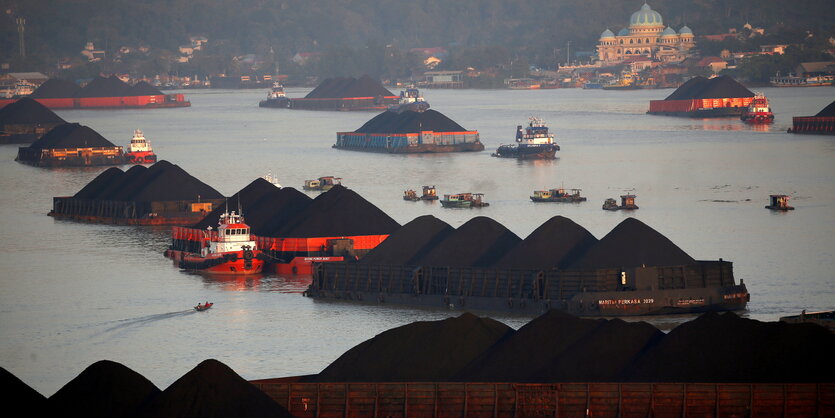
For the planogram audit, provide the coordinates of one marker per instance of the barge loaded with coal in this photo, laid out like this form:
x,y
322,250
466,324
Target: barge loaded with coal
x,y
633,270
701,97
349,93
823,123
102,93
407,132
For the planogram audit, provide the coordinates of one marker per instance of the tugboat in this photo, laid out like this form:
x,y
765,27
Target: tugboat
x,y
276,97
229,251
464,200
758,111
410,195
322,183
410,99
610,204
558,195
533,142
139,150
627,202
272,179
429,193
779,202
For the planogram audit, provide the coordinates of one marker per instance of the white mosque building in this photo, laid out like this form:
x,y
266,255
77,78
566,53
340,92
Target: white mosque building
x,y
647,37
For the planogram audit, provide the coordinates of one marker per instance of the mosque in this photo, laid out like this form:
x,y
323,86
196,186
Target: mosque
x,y
647,37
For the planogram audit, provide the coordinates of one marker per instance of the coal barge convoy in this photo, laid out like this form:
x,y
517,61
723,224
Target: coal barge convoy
x,y
407,132
633,270
102,93
701,97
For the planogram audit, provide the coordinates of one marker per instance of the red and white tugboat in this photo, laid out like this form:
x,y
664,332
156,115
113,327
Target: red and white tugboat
x,y
758,111
139,150
230,250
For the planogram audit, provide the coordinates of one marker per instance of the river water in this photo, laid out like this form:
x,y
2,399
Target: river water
x,y
72,293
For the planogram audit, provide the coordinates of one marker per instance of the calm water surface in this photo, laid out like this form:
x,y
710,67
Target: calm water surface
x,y
72,294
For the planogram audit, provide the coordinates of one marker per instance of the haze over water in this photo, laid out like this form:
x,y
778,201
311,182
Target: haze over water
x,y
72,293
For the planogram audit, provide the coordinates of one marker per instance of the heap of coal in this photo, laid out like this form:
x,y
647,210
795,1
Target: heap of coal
x,y
337,212
264,206
409,243
409,121
420,351
55,88
828,111
105,87
340,88
27,111
714,88
20,396
554,245
726,348
105,389
72,135
632,244
162,181
212,390
142,88
477,243
558,347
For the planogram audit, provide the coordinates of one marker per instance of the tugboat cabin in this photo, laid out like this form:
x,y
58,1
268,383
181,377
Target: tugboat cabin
x,y
429,193
627,201
779,202
232,232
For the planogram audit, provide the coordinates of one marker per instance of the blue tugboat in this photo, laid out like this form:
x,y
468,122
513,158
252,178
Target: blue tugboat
x,y
533,143
410,99
276,97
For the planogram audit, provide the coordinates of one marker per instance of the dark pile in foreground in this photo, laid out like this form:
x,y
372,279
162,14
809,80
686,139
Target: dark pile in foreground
x,y
420,351
828,111
105,389
409,243
339,88
632,244
409,122
162,181
337,212
555,244
55,88
477,243
72,135
703,88
21,396
211,390
28,111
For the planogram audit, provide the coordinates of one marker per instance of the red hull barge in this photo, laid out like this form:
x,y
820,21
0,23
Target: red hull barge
x,y
345,103
700,108
821,125
123,102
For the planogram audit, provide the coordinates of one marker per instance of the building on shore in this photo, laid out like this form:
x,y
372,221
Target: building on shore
x,y
646,36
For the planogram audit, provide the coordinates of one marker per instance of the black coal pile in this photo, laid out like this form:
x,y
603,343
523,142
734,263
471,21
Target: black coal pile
x,y
105,87
420,351
558,347
632,244
20,396
72,135
339,88
477,243
55,88
337,212
554,245
212,390
703,88
726,348
263,205
28,111
162,181
105,389
828,111
142,88
411,242
409,122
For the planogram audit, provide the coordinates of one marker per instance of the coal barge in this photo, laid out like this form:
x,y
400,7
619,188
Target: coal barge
x,y
823,123
634,270
701,97
103,93
349,93
408,132
25,121
71,145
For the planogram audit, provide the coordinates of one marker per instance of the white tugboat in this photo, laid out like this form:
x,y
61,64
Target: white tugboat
x,y
410,99
230,250
276,97
139,150
532,142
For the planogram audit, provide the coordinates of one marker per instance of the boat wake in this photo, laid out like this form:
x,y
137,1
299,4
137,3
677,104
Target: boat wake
x,y
143,320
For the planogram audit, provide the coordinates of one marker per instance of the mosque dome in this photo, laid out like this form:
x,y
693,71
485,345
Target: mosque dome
x,y
668,32
686,31
645,17
607,34
623,32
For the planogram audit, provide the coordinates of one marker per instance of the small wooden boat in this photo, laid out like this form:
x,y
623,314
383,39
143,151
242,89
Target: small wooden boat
x,y
779,202
464,200
410,195
203,306
429,193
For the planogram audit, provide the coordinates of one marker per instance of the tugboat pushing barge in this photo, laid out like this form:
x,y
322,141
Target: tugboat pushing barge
x,y
276,97
758,111
139,150
229,251
533,143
